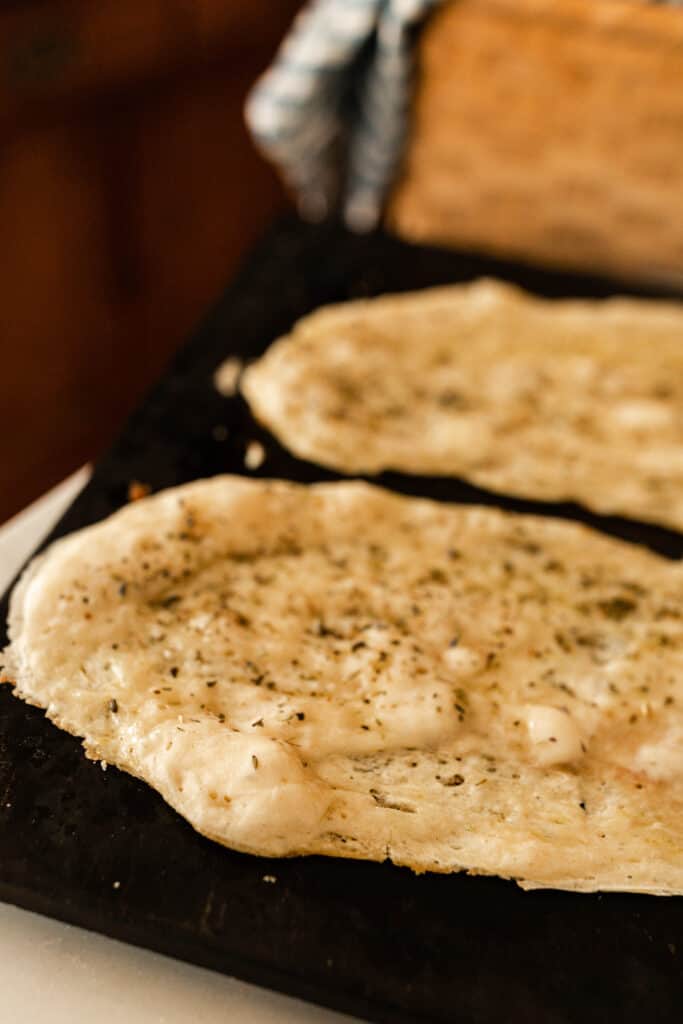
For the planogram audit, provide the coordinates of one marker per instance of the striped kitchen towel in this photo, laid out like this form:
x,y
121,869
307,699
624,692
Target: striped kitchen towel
x,y
331,111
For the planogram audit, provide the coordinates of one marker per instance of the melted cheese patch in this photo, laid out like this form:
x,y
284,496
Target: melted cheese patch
x,y
335,669
554,735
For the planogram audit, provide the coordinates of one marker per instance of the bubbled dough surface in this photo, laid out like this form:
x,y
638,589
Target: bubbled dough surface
x,y
549,400
338,670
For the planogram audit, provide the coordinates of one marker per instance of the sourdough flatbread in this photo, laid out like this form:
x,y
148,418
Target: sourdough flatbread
x,y
338,670
550,400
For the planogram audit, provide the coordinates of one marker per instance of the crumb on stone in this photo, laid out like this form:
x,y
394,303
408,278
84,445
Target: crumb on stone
x,y
220,432
254,455
137,490
227,375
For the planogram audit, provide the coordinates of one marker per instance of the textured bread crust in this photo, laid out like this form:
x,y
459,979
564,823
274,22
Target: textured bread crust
x,y
338,670
552,131
554,400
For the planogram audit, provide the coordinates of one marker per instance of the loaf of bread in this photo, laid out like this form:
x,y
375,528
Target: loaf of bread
x,y
550,131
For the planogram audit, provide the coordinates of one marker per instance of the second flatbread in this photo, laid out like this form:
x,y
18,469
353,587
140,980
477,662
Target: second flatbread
x,y
543,399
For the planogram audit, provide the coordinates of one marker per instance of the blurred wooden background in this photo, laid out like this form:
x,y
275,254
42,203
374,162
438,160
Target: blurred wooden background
x,y
128,192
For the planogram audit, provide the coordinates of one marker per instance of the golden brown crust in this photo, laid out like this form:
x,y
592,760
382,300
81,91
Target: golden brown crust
x,y
550,130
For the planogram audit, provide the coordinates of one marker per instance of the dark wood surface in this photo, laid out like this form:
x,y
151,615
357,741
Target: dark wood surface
x,y
367,938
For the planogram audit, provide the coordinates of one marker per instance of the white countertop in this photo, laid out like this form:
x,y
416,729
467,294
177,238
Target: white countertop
x,y
52,973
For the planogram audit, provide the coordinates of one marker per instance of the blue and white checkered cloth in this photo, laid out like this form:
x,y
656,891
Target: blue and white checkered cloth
x,y
331,112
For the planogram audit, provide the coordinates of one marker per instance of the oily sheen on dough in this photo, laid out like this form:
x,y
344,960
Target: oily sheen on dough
x,y
543,399
339,670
